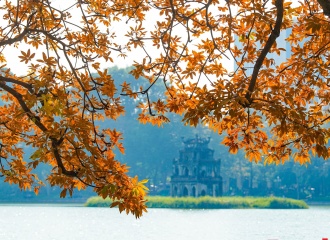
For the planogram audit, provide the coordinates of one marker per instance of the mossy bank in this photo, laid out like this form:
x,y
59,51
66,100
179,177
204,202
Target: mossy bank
x,y
211,202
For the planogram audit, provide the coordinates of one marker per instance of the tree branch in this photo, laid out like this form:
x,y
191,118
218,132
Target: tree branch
x,y
15,81
59,160
42,127
325,5
272,38
18,38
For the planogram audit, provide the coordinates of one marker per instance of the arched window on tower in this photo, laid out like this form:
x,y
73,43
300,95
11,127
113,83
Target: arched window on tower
x,y
175,191
203,193
185,192
193,191
186,171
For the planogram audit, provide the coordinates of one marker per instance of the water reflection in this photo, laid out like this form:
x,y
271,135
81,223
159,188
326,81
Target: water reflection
x,y
73,223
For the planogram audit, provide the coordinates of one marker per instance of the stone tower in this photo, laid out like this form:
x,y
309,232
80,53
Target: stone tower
x,y
196,173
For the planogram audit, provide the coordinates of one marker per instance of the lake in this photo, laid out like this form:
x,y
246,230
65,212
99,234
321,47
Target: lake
x,y
68,222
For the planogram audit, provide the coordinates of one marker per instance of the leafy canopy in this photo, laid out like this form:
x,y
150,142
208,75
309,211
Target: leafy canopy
x,y
54,107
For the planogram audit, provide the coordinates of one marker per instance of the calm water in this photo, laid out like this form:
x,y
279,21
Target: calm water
x,y
51,222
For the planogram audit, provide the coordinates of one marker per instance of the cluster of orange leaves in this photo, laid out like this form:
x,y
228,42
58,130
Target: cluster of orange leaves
x,y
276,111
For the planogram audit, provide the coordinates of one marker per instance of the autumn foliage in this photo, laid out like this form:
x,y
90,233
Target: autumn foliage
x,y
272,110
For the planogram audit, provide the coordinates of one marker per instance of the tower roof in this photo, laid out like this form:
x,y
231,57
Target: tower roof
x,y
196,142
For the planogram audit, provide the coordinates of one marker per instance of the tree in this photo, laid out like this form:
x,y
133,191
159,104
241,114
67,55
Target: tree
x,y
55,106
271,109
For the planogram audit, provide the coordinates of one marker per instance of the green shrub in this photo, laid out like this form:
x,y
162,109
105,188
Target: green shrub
x,y
210,202
98,202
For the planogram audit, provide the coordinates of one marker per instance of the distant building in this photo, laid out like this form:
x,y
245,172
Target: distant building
x,y
196,172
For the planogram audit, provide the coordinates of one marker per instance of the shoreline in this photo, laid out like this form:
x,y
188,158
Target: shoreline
x,y
83,202
211,203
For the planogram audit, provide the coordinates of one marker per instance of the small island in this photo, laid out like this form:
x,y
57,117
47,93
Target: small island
x,y
196,183
208,202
